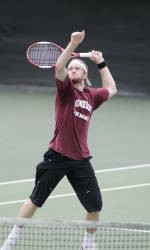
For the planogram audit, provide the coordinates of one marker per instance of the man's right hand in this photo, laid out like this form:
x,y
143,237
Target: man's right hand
x,y
77,37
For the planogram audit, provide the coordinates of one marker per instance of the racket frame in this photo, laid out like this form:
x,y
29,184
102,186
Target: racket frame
x,y
74,54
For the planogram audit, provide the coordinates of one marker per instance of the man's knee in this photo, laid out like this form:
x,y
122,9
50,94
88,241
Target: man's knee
x,y
27,210
31,204
93,215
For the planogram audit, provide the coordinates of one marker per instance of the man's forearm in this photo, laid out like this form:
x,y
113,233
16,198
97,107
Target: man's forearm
x,y
65,56
108,81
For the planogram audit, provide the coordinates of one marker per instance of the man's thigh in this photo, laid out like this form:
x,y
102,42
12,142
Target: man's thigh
x,y
84,182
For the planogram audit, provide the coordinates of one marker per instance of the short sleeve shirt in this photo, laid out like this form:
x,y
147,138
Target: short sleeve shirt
x,y
73,110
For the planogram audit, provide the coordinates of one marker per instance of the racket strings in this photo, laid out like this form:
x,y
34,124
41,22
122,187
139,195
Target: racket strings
x,y
44,54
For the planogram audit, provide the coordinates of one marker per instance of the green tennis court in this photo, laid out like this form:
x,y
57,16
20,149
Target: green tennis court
x,y
119,142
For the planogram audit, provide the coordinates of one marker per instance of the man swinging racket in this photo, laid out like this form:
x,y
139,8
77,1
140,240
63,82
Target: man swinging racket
x,y
68,152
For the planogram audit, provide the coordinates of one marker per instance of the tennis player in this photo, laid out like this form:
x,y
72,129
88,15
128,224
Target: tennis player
x,y
68,152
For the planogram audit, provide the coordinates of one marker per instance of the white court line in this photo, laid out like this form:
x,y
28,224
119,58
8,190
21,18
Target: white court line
x,y
128,230
73,194
122,169
15,182
97,172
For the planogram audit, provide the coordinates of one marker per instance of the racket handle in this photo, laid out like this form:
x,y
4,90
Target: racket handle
x,y
45,67
89,54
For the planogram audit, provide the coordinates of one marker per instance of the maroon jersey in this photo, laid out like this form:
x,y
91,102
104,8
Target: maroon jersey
x,y
73,110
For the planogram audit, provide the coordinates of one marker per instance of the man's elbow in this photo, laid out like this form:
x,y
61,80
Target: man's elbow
x,y
115,91
58,68
60,71
112,91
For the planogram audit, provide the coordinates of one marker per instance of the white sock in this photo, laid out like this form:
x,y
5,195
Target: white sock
x,y
89,239
12,238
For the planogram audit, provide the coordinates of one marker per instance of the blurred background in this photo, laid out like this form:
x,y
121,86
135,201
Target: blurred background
x,y
120,29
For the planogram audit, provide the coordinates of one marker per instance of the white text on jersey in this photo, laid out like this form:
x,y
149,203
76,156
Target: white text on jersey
x,y
83,104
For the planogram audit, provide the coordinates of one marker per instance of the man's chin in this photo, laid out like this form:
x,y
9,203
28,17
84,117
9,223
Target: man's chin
x,y
75,81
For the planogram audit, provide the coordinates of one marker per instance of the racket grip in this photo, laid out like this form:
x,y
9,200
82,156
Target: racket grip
x,y
45,67
89,54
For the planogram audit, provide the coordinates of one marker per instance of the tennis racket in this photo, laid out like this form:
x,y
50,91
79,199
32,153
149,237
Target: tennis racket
x,y
45,54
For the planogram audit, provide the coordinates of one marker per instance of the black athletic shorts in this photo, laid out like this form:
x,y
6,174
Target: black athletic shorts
x,y
79,173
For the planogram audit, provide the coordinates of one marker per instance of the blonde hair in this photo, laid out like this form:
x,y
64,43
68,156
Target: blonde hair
x,y
87,82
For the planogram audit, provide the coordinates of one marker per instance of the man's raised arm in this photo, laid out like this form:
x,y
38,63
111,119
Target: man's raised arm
x,y
107,79
60,70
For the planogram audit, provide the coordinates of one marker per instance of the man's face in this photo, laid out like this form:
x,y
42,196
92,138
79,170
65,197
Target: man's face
x,y
76,73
